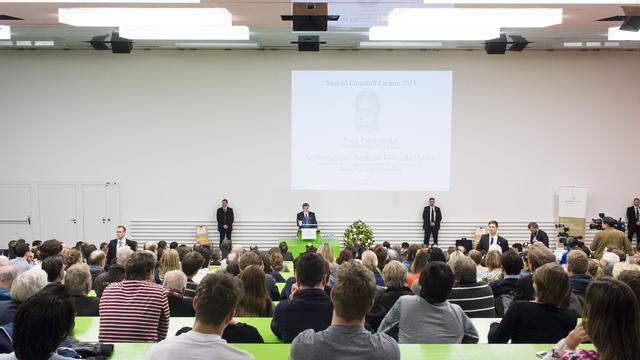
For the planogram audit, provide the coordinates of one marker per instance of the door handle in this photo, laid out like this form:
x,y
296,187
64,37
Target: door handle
x,y
73,221
103,220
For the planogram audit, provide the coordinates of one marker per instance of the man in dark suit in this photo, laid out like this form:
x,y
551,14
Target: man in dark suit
x,y
633,217
492,238
431,218
306,218
537,234
224,217
118,242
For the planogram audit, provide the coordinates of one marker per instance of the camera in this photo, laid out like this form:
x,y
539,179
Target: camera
x,y
597,223
563,230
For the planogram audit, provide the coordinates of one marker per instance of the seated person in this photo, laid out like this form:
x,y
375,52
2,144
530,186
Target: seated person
x,y
538,255
347,338
23,287
476,256
54,266
191,263
277,265
215,303
614,333
577,267
7,275
115,272
542,321
309,307
475,298
78,282
135,309
631,278
43,313
511,268
255,302
251,258
395,277
97,261
429,318
284,250
175,283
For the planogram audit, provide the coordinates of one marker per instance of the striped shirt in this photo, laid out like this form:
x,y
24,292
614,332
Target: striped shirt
x,y
133,310
476,300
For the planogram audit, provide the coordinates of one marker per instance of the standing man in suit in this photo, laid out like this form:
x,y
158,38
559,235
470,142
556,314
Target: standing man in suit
x,y
537,234
224,216
431,218
306,218
633,217
492,238
115,244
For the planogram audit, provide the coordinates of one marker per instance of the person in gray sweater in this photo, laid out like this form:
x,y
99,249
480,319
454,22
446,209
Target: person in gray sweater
x,y
346,338
429,318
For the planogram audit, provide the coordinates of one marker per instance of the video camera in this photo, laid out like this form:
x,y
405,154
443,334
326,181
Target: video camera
x,y
597,223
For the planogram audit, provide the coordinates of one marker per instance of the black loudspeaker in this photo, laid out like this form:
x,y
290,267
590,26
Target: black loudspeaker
x,y
631,23
120,45
99,42
497,46
308,43
518,43
309,17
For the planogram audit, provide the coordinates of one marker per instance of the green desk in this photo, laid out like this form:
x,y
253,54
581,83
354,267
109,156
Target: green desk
x,y
88,327
128,351
280,286
92,293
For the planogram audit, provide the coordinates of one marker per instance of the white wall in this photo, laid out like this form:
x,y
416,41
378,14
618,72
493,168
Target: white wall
x,y
180,130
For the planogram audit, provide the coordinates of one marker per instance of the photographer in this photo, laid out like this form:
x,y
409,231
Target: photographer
x,y
610,238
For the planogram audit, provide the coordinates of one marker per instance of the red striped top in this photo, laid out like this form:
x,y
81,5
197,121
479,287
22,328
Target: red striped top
x,y
133,310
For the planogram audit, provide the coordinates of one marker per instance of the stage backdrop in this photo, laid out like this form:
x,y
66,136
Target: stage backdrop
x,y
178,131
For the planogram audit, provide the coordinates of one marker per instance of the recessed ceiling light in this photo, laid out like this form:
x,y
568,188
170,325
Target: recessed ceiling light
x,y
434,33
185,33
521,2
399,45
5,32
572,44
616,34
505,18
112,17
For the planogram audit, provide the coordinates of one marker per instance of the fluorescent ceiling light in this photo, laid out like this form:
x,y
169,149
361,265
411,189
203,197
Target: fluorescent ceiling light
x,y
520,2
103,1
215,45
169,32
399,45
616,34
390,33
611,44
572,44
6,43
506,18
24,43
112,17
592,44
44,43
5,32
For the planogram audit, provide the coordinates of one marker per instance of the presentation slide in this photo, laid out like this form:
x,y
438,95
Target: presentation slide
x,y
371,130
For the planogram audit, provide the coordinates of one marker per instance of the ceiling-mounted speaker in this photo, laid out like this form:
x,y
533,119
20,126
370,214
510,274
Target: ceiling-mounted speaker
x,y
99,42
497,46
308,43
310,16
518,43
120,45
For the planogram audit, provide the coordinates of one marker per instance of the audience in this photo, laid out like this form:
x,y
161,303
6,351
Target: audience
x,y
175,283
346,255
623,266
41,324
277,265
215,305
115,272
607,261
251,258
577,267
382,254
191,263
429,318
97,261
204,269
4,261
7,275
433,254
23,287
409,257
284,250
54,266
74,256
395,278
49,248
135,309
493,260
370,261
538,255
542,321
613,332
326,252
309,306
346,338
23,260
475,298
78,281
595,270
420,260
255,302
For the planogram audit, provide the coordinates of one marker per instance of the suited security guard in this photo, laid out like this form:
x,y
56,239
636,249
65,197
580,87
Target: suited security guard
x,y
431,218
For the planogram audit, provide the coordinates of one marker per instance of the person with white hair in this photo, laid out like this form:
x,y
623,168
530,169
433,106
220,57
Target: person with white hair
x,y
175,282
7,275
115,272
23,287
608,260
78,282
4,261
